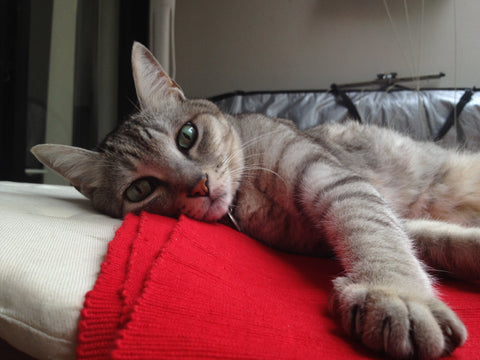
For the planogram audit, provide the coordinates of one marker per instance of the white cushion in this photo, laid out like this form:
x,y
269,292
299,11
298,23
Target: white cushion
x,y
52,244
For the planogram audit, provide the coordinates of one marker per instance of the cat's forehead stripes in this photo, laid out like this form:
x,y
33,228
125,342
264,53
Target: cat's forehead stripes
x,y
146,122
145,132
141,133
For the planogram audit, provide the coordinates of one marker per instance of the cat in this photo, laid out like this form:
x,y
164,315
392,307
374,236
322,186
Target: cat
x,y
382,202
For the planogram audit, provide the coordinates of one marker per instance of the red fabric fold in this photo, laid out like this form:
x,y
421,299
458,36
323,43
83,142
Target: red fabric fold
x,y
185,289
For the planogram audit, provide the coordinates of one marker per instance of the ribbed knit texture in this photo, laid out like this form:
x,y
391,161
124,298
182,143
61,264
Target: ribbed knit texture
x,y
186,289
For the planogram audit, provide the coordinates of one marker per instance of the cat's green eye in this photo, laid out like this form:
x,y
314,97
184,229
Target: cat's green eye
x,y
187,136
139,190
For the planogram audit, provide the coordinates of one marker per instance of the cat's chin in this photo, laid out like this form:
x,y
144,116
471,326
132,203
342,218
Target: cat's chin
x,y
215,213
217,210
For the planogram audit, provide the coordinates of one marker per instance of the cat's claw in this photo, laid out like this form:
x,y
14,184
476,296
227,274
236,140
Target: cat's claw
x,y
399,324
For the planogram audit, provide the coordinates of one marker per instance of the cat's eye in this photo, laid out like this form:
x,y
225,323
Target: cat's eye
x,y
140,189
187,136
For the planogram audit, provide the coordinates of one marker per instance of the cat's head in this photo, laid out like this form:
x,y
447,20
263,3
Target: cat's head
x,y
175,156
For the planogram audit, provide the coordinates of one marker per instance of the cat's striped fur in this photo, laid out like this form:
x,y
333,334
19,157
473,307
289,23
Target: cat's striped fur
x,y
376,198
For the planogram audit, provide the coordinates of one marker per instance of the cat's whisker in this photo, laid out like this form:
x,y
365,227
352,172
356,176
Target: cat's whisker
x,y
247,171
246,145
254,140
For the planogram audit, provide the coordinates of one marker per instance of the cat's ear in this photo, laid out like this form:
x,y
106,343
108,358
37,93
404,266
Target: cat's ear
x,y
152,83
79,166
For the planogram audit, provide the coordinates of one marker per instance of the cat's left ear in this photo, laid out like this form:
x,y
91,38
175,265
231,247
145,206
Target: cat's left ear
x,y
79,166
152,83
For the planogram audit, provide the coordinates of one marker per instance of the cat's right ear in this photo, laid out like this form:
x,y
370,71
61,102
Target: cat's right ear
x,y
154,87
79,166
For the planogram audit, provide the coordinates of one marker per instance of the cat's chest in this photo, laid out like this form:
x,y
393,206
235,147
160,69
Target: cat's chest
x,y
270,217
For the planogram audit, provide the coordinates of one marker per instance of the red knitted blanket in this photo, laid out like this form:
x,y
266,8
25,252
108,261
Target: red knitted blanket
x,y
185,289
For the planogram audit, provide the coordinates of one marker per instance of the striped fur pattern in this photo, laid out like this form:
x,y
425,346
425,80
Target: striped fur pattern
x,y
383,203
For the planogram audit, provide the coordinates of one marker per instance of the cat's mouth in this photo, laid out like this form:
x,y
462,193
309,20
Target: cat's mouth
x,y
214,205
217,209
209,208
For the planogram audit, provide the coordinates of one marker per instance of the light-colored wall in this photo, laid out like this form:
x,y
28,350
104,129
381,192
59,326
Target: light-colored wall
x,y
227,45
59,122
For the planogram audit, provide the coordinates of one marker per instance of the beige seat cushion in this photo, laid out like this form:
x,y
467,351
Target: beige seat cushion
x,y
52,244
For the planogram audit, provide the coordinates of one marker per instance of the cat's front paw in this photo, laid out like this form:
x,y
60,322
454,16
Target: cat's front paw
x,y
398,324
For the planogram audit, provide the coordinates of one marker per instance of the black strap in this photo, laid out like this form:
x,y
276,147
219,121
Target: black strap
x,y
343,99
455,114
386,80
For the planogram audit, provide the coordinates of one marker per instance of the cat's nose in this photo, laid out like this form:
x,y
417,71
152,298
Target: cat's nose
x,y
201,188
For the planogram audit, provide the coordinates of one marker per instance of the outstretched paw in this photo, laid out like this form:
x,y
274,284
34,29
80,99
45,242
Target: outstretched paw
x,y
396,322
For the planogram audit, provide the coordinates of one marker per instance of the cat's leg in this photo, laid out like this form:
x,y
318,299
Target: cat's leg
x,y
447,247
385,299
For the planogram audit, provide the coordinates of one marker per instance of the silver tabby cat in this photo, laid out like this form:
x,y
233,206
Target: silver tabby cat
x,y
382,202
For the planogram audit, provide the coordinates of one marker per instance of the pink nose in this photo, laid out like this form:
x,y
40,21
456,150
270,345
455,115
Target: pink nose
x,y
201,188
